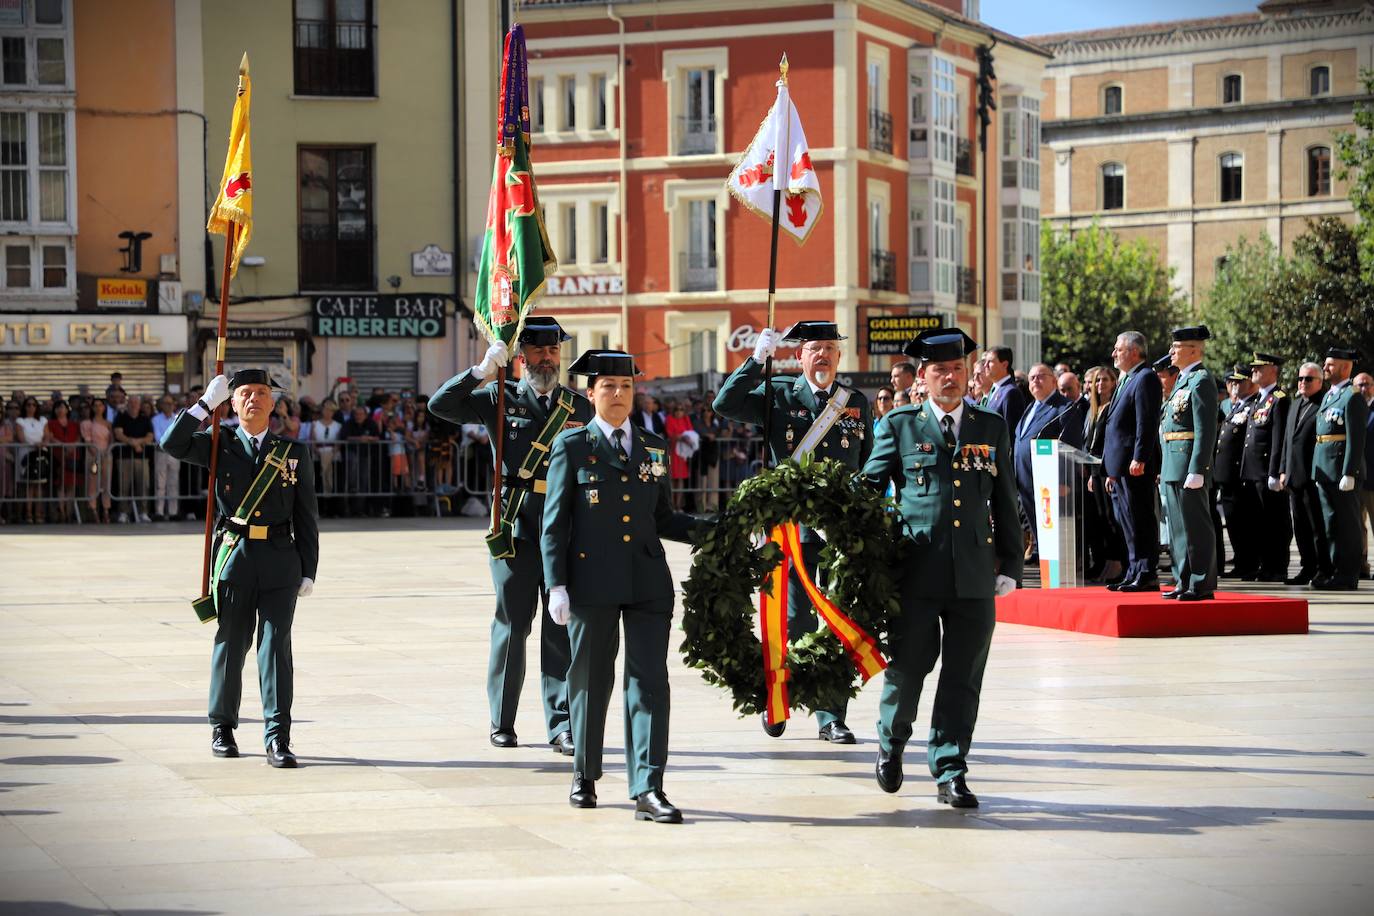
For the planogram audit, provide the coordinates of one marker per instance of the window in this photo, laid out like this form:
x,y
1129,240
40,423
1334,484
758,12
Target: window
x,y
882,261
1111,100
599,102
18,266
1232,168
934,110
696,211
54,266
37,264
698,134
581,224
34,164
699,260
1020,142
334,48
1318,171
34,52
879,118
570,234
1230,89
537,106
601,229
336,218
1319,80
569,94
1113,186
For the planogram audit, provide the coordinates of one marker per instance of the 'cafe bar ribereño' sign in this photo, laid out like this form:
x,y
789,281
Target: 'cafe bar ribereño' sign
x,y
378,315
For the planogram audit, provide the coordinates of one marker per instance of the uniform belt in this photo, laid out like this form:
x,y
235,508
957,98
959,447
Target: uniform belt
x,y
1332,437
255,532
522,483
1176,437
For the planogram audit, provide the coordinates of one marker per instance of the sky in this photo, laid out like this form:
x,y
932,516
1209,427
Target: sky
x,y
1042,17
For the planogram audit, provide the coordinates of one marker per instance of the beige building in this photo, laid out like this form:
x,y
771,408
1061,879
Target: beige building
x,y
1195,133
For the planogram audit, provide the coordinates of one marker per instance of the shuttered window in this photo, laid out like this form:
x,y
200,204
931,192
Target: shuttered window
x,y
391,377
39,373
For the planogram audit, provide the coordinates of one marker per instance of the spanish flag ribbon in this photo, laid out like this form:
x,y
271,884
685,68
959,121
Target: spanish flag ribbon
x,y
234,202
861,647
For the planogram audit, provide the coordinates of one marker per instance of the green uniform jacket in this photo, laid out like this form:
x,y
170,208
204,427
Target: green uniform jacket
x,y
603,519
959,506
1343,412
1192,408
285,557
794,409
460,400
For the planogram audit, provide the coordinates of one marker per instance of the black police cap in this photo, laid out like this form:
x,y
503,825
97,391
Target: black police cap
x,y
251,377
595,363
1192,332
1343,353
1163,364
542,331
1238,374
1265,359
940,344
804,331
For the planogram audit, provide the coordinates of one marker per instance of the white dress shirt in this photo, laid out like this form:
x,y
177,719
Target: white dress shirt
x,y
957,413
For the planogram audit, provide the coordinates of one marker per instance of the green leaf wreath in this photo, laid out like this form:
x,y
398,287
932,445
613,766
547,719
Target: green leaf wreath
x,y
859,570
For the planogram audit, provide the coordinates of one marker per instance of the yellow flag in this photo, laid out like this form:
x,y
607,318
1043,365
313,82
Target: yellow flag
x,y
234,202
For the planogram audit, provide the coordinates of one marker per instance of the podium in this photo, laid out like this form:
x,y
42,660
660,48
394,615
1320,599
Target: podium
x,y
1059,474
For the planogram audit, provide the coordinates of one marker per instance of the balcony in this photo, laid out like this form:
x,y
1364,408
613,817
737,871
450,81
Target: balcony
x,y
334,58
696,136
963,157
967,285
696,272
337,256
882,270
880,131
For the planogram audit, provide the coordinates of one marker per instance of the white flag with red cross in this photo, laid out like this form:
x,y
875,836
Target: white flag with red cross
x,y
780,138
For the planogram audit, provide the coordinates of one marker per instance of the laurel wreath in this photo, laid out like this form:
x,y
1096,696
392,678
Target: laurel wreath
x,y
858,570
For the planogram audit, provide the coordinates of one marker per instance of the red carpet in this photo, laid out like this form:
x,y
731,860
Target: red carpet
x,y
1096,610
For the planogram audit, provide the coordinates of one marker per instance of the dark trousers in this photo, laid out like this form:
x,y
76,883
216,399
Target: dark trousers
x,y
1192,539
1341,523
519,583
1309,530
1133,502
1025,498
243,611
1275,529
1240,509
1101,535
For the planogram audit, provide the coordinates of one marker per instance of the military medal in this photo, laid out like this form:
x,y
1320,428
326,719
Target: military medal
x,y
593,498
790,435
844,442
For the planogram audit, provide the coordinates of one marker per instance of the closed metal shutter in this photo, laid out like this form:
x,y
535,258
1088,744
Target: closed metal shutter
x,y
39,373
390,377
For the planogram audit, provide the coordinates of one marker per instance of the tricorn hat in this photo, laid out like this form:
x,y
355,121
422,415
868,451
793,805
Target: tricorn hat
x,y
252,377
940,344
595,363
1343,353
543,331
1192,332
804,331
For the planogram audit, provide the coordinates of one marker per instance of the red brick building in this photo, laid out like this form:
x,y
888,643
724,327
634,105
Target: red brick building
x,y
641,109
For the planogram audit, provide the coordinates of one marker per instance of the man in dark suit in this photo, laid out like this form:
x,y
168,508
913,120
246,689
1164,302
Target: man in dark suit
x,y
1238,502
1260,466
1004,396
647,416
1130,459
1050,416
1364,386
1299,442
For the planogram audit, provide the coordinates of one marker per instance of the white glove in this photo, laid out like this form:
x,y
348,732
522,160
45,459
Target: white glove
x,y
217,392
1274,484
1347,483
1192,482
560,608
766,345
497,355
1005,586
307,587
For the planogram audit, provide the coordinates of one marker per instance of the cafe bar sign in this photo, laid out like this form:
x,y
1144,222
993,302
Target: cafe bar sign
x,y
378,315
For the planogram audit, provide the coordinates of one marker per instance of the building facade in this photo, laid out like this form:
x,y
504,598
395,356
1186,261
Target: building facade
x,y
1196,133
640,110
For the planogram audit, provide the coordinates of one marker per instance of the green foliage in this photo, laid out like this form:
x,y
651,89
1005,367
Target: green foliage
x,y
1233,309
1094,286
863,554
1355,155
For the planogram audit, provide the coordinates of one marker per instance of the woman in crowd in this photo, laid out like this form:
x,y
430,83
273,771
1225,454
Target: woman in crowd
x,y
1105,545
325,432
676,424
98,435
882,403
9,434
417,438
307,421
64,433
285,421
31,464
712,430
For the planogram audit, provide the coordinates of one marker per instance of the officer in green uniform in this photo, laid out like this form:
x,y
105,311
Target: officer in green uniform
x,y
1188,436
517,572
267,549
1338,468
951,464
1261,464
608,505
802,423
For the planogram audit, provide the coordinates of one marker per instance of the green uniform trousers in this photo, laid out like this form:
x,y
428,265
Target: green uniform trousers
x,y
1192,539
594,632
1341,524
519,586
801,614
244,609
959,631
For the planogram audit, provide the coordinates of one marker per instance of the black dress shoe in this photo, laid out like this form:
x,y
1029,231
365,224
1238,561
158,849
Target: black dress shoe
x,y
955,793
654,806
889,771
1190,595
1250,577
583,794
1273,578
1172,593
1142,584
1303,577
1337,584
837,733
773,731
279,755
222,743
504,737
563,743
1116,586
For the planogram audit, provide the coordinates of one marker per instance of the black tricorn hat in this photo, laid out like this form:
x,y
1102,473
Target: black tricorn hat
x,y
1192,332
940,344
804,331
543,331
1164,364
252,377
595,363
1343,353
1265,359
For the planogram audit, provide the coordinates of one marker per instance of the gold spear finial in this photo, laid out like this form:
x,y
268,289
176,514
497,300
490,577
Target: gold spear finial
x,y
782,67
243,72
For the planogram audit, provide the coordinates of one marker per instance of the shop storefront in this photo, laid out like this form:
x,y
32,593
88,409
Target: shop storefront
x,y
76,352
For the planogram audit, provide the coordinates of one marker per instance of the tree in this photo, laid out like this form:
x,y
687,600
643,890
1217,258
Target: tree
x,y
1355,153
1235,309
1094,286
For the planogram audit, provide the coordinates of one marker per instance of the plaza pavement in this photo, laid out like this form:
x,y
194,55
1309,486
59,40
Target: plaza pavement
x,y
1218,776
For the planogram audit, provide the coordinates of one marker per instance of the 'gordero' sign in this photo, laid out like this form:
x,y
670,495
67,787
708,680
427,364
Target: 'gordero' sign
x,y
378,315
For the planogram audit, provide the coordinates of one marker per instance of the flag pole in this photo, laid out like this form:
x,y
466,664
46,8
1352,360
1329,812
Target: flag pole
x,y
778,163
230,232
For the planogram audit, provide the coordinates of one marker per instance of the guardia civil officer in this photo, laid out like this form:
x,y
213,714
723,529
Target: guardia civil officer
x,y
812,413
608,505
1338,468
1188,438
1262,463
267,550
951,464
537,409
1239,503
